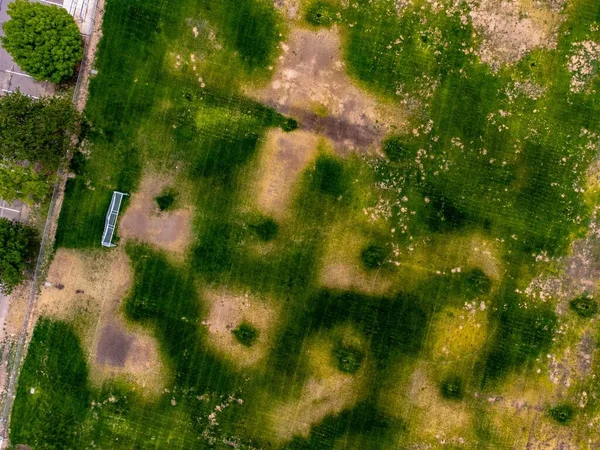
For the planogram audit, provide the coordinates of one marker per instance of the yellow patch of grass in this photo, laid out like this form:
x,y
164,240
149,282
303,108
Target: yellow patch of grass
x,y
327,390
227,310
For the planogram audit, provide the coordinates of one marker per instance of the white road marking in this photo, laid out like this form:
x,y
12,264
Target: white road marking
x,y
18,73
10,209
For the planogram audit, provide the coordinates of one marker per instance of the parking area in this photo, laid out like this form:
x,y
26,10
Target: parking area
x,y
16,211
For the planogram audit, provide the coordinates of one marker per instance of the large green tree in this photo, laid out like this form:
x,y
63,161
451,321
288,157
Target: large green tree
x,y
17,251
41,131
19,182
44,40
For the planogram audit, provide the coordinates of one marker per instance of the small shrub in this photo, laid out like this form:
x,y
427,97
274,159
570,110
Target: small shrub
x,y
246,334
166,200
266,229
77,164
321,13
348,358
289,124
452,387
561,413
373,256
397,149
584,306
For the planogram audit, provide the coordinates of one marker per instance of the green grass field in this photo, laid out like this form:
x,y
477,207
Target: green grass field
x,y
445,234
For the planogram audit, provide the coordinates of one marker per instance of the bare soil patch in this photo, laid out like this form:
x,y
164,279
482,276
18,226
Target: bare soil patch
x,y
326,392
168,230
227,310
511,29
86,289
311,85
282,160
342,269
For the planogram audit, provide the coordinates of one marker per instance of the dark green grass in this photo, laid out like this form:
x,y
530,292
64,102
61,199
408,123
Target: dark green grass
x,y
363,424
522,335
56,369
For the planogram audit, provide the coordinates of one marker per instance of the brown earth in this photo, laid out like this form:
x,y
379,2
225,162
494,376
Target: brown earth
x,y
511,29
311,84
226,311
86,289
283,157
327,391
167,230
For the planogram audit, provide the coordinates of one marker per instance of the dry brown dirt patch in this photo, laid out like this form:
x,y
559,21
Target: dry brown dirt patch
x,y
311,84
168,230
86,289
226,311
283,157
511,29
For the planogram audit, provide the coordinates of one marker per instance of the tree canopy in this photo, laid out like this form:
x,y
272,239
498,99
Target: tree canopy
x,y
17,250
43,40
40,131
18,182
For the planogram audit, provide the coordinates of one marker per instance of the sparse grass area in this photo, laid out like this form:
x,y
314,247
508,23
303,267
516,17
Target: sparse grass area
x,y
474,198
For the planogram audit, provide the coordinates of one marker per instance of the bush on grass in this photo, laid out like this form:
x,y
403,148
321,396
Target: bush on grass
x,y
246,334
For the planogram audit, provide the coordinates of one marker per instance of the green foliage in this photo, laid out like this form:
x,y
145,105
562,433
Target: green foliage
x,y
77,163
452,387
266,229
43,40
321,13
37,130
17,252
246,334
166,200
373,256
18,182
289,124
584,306
562,413
56,370
348,358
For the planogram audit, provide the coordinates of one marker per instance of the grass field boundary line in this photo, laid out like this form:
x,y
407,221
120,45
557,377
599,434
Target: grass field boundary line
x,y
45,243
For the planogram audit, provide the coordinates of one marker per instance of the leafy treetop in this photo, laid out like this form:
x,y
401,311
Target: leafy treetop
x,y
37,130
43,40
17,249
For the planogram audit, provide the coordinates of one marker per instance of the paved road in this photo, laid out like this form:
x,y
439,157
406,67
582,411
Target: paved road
x,y
17,211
